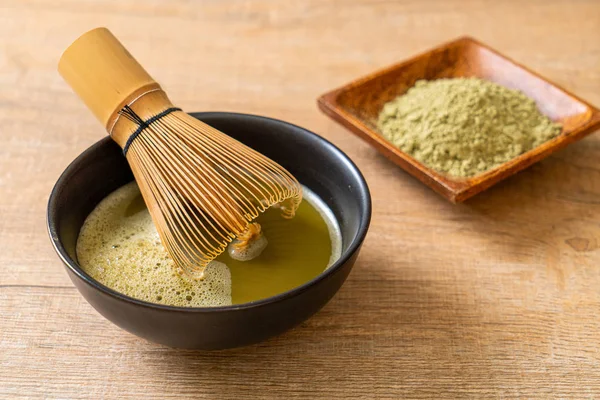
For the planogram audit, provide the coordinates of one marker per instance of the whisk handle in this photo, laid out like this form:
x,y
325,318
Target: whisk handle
x,y
103,74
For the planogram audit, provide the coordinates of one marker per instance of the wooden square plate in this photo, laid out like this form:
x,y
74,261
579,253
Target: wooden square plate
x,y
357,105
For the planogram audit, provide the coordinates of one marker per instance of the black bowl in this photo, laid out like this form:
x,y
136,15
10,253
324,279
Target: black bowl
x,y
314,161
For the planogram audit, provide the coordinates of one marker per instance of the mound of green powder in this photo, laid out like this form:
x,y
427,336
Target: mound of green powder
x,y
464,126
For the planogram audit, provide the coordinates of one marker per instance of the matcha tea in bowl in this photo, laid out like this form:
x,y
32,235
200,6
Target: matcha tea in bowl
x,y
224,239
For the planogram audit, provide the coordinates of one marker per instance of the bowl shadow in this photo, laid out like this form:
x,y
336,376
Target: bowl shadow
x,y
380,333
392,330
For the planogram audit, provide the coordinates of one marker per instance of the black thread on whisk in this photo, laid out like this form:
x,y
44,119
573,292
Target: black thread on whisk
x,y
128,113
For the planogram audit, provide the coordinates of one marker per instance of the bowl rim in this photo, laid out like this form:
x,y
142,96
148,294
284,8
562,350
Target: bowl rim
x,y
73,265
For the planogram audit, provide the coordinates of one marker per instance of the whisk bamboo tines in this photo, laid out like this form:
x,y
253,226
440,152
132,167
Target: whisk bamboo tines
x,y
202,187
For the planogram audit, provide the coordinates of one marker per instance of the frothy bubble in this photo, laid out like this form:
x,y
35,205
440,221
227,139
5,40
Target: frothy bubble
x,y
119,246
123,251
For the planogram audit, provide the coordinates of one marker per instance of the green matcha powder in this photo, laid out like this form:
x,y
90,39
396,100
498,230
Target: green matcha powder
x,y
464,126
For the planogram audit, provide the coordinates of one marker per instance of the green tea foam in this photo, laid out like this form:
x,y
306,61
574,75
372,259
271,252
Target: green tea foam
x,y
119,246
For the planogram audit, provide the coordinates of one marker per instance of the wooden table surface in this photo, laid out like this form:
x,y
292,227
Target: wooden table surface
x,y
495,298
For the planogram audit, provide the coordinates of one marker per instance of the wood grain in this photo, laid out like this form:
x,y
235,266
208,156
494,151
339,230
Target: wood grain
x,y
495,298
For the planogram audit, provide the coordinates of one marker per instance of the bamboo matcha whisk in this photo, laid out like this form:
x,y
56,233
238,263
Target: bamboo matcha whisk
x,y
202,187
